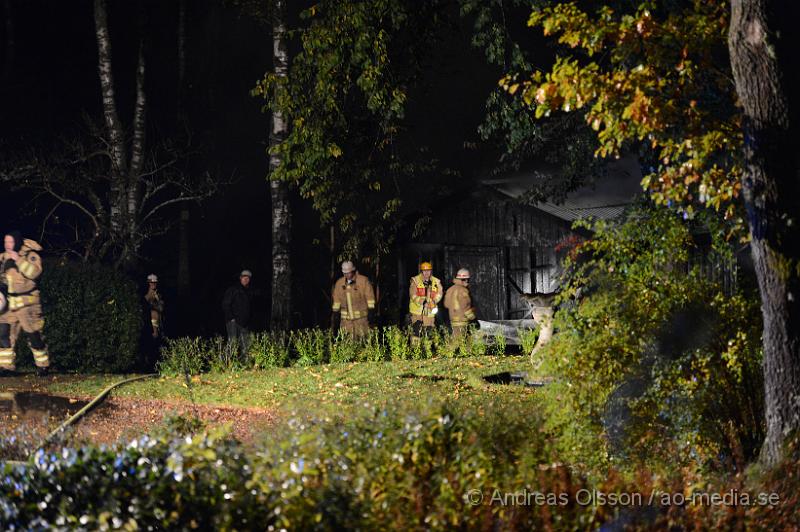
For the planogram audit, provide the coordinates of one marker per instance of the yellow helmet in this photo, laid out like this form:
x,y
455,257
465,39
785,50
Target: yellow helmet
x,y
425,266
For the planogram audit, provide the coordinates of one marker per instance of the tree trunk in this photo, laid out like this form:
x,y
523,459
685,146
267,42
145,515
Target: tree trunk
x,y
761,44
281,211
137,147
116,138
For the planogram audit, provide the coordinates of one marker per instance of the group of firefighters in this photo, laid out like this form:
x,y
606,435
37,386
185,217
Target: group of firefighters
x,y
354,301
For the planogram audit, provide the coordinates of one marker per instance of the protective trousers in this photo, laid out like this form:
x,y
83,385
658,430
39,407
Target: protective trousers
x,y
357,328
28,319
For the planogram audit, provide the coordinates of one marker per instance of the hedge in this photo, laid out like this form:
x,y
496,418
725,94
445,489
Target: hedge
x,y
93,318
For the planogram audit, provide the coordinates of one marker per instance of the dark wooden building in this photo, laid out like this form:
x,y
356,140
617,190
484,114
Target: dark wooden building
x,y
513,249
510,248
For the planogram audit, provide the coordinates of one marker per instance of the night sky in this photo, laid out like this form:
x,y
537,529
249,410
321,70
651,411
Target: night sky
x,y
50,84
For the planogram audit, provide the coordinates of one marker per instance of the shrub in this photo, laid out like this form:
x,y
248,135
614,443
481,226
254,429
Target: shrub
x,y
184,356
374,348
93,317
651,355
527,338
342,348
397,342
383,469
310,346
270,350
395,469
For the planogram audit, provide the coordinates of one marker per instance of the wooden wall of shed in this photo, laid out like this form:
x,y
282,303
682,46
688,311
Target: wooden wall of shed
x,y
495,222
524,237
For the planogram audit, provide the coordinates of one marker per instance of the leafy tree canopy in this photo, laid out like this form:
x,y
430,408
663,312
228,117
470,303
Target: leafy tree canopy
x,y
345,98
655,76
561,139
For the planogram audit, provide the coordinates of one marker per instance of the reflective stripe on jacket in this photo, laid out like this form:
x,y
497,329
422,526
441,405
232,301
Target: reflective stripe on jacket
x,y
355,299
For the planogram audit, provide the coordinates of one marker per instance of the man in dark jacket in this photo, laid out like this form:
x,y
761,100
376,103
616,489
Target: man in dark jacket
x,y
237,305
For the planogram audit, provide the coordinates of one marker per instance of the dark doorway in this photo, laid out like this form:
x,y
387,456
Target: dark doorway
x,y
486,266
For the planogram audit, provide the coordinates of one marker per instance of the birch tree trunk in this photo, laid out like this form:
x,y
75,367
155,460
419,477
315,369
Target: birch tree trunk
x,y
281,211
116,137
126,163
761,43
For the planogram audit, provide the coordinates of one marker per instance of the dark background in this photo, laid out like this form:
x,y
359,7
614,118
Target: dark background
x,y
50,83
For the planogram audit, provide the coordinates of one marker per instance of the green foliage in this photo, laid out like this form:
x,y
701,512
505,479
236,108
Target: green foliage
x,y
183,356
270,350
381,469
343,348
310,347
345,99
652,355
397,342
652,75
375,348
527,338
561,139
93,317
499,345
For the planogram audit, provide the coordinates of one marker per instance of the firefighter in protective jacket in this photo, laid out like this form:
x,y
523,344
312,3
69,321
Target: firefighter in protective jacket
x,y
155,306
353,301
424,294
459,303
20,267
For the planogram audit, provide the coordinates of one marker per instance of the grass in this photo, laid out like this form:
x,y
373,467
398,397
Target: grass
x,y
328,389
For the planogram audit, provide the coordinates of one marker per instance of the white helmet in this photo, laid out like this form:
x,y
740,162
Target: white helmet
x,y
462,274
152,278
348,266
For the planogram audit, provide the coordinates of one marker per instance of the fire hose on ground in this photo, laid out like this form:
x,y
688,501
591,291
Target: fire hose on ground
x,y
80,413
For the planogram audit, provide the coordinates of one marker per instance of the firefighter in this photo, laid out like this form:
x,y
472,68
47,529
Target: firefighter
x,y
353,302
155,305
153,334
459,304
20,267
424,294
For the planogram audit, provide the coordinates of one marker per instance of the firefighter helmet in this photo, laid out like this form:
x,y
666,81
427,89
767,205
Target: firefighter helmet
x,y
425,266
463,274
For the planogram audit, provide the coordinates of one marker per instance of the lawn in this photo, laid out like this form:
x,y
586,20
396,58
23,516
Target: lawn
x,y
328,389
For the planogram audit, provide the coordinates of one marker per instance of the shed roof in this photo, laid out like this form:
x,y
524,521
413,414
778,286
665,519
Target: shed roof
x,y
606,199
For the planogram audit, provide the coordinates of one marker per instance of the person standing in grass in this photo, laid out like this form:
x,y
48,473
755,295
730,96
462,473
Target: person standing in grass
x,y
353,302
237,306
458,303
154,306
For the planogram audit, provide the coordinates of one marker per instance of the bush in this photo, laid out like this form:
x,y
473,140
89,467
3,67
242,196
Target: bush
x,y
309,347
393,469
185,356
93,317
651,357
270,350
